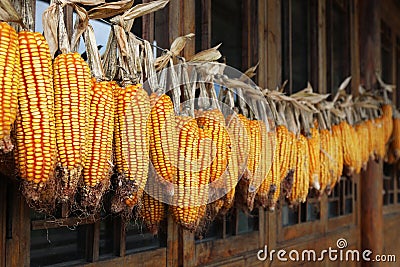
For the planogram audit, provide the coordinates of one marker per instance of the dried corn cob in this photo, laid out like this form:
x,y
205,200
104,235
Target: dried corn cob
x,y
363,136
163,137
337,136
272,177
132,111
185,208
214,121
72,89
238,129
153,210
371,138
300,176
97,170
388,121
10,70
314,147
395,145
206,152
325,159
380,141
36,134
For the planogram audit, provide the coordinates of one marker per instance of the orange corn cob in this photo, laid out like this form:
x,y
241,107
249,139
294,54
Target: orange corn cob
x,y
36,134
206,151
325,159
132,111
214,121
395,145
337,136
97,170
314,147
10,70
163,137
185,208
72,89
153,210
300,176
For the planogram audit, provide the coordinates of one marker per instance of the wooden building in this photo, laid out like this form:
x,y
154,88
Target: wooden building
x,y
321,41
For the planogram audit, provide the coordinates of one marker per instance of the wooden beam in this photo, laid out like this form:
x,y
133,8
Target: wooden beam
x,y
273,54
205,24
189,26
172,243
148,25
187,248
354,46
322,58
174,22
262,68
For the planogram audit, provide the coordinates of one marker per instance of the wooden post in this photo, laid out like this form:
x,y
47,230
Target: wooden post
x,y
371,181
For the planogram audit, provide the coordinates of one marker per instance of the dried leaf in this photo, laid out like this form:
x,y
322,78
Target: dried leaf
x,y
251,72
85,2
8,12
211,54
110,9
50,19
344,84
121,40
179,43
93,54
80,25
144,9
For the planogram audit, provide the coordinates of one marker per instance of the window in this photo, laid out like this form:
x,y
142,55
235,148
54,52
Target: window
x,y
340,201
234,223
338,43
74,240
388,184
226,28
386,53
304,212
299,35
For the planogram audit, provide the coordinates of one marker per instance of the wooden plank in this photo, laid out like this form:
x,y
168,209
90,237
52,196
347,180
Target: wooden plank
x,y
322,57
220,249
354,48
174,22
93,242
189,26
262,68
151,258
188,248
49,224
206,24
172,243
148,25
273,54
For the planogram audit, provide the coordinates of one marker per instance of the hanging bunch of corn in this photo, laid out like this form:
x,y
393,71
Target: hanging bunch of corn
x,y
35,132
97,167
380,141
325,158
132,111
72,91
387,115
10,71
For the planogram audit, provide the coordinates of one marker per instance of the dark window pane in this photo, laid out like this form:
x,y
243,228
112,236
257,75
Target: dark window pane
x,y
138,239
56,246
300,39
212,231
226,28
386,52
348,206
333,209
107,236
313,211
338,38
247,223
303,212
289,215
